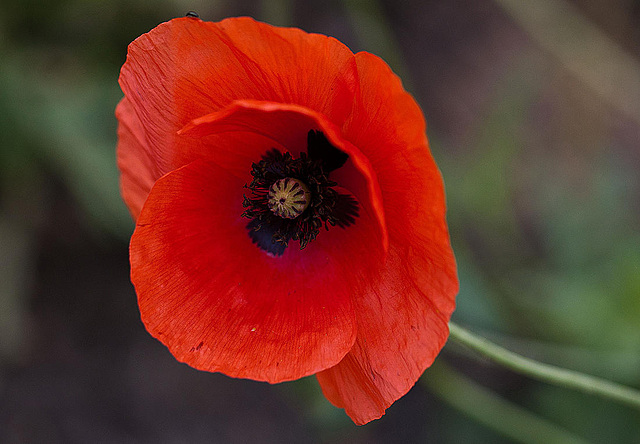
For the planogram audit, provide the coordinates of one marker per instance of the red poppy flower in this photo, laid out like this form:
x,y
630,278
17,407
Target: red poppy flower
x,y
290,219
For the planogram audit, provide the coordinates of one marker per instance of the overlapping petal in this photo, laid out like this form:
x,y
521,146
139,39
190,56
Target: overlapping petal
x,y
285,127
402,318
138,169
217,301
187,68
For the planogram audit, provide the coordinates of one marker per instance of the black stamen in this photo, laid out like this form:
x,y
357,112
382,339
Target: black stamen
x,y
262,236
318,147
270,229
346,210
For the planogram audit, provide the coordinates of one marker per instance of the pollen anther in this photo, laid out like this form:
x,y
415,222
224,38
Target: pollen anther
x,y
288,198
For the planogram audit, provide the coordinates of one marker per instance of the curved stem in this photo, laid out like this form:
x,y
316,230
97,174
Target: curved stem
x,y
544,372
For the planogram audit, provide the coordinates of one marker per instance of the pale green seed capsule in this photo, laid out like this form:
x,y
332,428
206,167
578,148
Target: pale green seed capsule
x,y
288,198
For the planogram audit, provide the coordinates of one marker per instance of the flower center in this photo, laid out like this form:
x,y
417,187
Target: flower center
x,y
291,199
288,198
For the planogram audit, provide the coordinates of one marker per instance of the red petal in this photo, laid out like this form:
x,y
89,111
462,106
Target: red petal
x,y
285,127
402,319
389,128
187,68
138,171
221,304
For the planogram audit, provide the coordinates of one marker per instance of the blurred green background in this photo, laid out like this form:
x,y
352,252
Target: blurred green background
x,y
533,112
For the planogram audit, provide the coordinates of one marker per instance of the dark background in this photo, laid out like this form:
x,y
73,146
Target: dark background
x,y
533,112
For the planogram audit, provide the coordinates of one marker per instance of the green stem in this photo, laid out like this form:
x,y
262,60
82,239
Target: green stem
x,y
544,372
